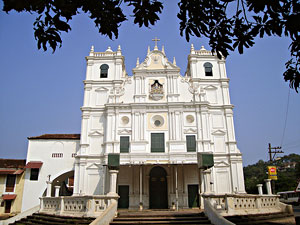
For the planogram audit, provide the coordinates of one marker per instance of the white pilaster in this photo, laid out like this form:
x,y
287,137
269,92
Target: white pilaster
x,y
49,188
141,187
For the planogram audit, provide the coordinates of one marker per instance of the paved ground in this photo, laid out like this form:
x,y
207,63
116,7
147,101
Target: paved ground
x,y
297,213
296,210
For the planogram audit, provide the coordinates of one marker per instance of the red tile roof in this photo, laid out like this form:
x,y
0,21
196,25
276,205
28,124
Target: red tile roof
x,y
56,136
34,164
12,163
17,172
8,197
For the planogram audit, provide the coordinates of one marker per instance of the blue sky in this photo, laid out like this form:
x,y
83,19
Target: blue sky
x,y
41,92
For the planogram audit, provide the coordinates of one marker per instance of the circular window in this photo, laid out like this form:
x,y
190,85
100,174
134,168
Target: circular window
x,y
157,121
125,120
190,119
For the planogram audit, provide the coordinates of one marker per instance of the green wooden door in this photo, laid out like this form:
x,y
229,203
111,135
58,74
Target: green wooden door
x,y
193,195
158,188
123,191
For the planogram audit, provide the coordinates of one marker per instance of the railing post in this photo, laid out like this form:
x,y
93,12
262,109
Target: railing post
x,y
56,191
62,205
258,202
49,187
268,186
113,182
260,190
41,204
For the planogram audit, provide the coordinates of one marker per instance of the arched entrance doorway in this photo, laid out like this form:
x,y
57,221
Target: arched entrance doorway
x,y
158,188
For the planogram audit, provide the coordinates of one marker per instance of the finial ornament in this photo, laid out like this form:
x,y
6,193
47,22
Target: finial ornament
x,y
137,62
202,48
163,49
192,49
108,49
155,40
119,50
92,51
174,61
148,52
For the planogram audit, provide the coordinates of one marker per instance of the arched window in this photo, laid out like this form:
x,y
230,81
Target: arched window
x,y
208,69
104,70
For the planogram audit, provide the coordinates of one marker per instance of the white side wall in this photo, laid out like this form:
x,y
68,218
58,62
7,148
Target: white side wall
x,y
41,150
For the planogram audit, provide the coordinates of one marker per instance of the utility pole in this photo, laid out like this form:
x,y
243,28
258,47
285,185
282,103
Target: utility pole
x,y
273,152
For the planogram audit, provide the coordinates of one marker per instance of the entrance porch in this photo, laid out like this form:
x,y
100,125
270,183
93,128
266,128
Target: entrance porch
x,y
169,186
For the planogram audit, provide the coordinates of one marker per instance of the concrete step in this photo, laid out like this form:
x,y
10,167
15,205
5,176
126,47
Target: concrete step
x,y
39,218
159,218
183,222
62,219
268,218
156,217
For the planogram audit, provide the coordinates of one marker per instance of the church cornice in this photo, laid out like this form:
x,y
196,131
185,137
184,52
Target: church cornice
x,y
210,80
103,81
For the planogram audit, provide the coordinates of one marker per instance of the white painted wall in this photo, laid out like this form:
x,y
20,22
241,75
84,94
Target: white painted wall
x,y
41,150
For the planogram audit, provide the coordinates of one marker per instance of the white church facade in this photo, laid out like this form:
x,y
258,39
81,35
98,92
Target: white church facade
x,y
155,121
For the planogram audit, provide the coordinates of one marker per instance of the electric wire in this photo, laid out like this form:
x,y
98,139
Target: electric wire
x,y
286,116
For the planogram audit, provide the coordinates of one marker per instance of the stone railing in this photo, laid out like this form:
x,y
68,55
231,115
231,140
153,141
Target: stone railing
x,y
242,204
101,54
203,52
88,206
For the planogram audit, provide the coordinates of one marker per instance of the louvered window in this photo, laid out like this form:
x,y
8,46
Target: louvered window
x,y
124,144
157,142
10,183
208,69
191,143
104,71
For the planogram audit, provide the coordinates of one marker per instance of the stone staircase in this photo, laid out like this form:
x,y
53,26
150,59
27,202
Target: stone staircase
x,y
40,218
266,219
156,217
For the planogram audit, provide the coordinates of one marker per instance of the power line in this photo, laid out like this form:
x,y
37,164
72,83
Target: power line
x,y
286,116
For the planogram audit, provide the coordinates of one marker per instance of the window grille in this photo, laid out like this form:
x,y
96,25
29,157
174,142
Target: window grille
x,y
57,155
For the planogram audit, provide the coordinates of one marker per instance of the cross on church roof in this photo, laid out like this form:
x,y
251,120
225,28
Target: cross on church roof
x,y
156,40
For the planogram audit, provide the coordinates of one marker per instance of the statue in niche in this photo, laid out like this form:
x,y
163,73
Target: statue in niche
x,y
157,91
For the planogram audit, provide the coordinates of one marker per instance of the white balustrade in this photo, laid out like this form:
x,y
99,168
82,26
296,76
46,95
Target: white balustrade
x,y
91,206
238,204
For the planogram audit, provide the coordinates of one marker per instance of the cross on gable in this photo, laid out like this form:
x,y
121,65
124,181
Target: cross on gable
x,y
156,40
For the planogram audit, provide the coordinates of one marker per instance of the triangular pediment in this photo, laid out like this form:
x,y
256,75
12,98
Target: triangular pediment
x,y
124,131
219,132
155,60
96,133
210,87
221,164
190,131
101,89
94,166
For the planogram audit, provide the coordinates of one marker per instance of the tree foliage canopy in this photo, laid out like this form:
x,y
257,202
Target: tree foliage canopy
x,y
213,19
288,177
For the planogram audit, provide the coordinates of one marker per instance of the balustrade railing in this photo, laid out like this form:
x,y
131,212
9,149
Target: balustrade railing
x,y
90,206
240,204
